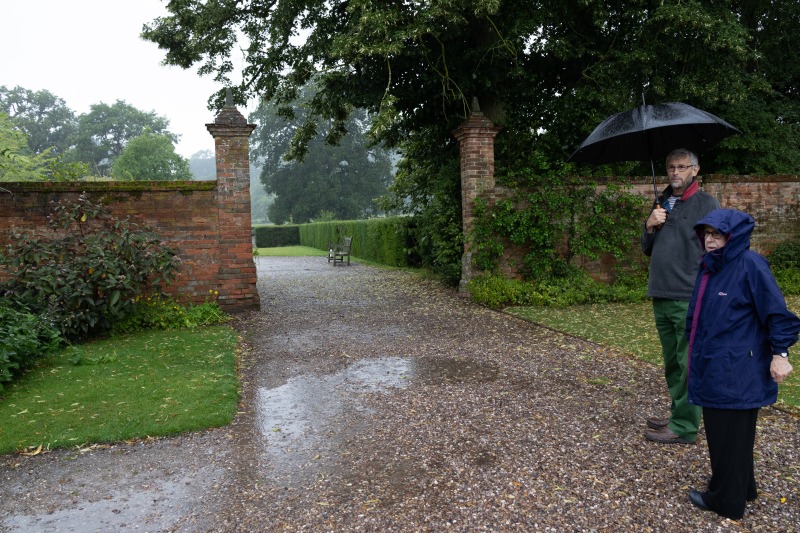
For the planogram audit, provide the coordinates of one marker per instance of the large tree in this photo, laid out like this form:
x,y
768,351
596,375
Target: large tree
x,y
42,116
105,130
150,157
342,180
16,163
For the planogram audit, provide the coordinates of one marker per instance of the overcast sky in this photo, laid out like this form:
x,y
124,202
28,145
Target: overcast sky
x,y
89,51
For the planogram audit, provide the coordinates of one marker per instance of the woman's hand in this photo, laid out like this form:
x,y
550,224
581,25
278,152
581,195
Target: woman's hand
x,y
779,368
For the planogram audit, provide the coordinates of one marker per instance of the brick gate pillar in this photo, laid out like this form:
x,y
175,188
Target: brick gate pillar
x,y
237,272
476,140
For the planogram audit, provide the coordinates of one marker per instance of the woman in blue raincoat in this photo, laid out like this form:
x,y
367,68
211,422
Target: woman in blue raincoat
x,y
739,332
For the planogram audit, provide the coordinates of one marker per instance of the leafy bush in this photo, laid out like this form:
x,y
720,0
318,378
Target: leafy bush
x,y
788,280
384,240
785,264
162,312
573,289
556,218
88,274
273,236
24,337
785,256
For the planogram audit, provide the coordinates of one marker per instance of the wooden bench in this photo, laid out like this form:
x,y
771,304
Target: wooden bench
x,y
338,252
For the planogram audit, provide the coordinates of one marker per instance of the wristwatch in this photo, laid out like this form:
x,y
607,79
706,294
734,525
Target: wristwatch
x,y
783,354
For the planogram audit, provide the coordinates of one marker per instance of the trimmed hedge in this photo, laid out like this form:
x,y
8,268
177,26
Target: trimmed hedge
x,y
382,240
274,236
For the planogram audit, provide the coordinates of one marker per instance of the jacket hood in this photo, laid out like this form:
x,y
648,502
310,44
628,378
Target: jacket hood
x,y
735,225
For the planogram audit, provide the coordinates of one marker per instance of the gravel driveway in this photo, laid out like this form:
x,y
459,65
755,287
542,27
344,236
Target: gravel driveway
x,y
376,401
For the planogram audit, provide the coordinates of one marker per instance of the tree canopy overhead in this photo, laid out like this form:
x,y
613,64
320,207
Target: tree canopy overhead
x,y
548,70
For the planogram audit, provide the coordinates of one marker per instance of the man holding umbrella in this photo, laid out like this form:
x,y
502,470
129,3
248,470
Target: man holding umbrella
x,y
669,239
647,133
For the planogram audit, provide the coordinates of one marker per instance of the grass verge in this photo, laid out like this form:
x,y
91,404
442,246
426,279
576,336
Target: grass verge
x,y
306,251
291,251
147,384
630,328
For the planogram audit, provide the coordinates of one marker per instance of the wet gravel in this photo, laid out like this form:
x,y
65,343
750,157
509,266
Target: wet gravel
x,y
373,400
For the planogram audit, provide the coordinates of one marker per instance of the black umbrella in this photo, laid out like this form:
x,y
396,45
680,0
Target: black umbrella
x,y
650,132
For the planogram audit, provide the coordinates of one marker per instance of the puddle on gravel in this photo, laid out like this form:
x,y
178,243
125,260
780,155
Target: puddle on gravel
x,y
310,417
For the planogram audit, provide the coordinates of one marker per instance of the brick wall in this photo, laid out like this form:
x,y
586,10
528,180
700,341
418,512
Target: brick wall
x,y
773,201
207,222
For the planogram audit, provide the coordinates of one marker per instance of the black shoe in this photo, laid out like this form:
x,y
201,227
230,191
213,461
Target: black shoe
x,y
696,497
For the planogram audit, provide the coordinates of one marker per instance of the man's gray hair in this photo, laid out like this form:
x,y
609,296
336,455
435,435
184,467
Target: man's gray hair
x,y
680,153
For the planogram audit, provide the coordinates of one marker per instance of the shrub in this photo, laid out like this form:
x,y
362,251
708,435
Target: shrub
x,y
162,312
785,264
788,280
574,289
24,337
89,273
785,256
273,236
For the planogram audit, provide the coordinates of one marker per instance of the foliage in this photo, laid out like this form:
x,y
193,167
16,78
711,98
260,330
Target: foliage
x,y
154,383
546,70
105,130
784,262
785,256
788,280
557,219
24,337
87,274
45,119
16,164
270,236
382,240
428,187
152,157
344,179
59,170
576,288
163,312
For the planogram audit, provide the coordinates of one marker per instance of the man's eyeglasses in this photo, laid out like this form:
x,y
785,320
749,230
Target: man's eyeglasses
x,y
679,168
717,236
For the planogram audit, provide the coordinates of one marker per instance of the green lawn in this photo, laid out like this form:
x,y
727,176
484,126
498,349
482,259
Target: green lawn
x,y
153,383
630,328
291,251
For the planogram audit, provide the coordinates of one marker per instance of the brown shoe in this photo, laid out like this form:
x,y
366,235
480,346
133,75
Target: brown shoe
x,y
665,436
657,423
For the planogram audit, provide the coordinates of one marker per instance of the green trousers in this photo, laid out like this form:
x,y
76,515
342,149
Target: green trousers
x,y
670,318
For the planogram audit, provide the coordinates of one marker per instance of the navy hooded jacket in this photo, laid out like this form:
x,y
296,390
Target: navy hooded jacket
x,y
743,321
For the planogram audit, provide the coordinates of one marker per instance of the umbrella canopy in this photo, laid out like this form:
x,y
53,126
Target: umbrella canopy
x,y
651,132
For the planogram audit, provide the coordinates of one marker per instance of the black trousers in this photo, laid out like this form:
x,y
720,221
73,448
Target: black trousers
x,y
731,436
